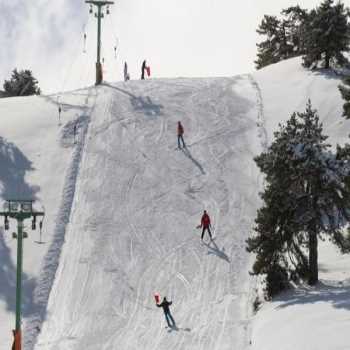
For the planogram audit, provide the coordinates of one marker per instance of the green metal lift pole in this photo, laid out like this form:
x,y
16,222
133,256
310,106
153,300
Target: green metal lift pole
x,y
99,74
99,15
19,273
19,210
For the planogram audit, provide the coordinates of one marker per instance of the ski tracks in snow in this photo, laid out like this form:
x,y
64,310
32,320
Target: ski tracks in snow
x,y
261,115
134,224
264,142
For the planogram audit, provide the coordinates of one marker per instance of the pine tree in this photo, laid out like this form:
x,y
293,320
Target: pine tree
x,y
284,38
22,83
295,19
345,92
306,197
327,35
268,50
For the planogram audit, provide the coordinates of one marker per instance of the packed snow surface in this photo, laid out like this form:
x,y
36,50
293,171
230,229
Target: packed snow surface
x,y
130,204
122,206
133,227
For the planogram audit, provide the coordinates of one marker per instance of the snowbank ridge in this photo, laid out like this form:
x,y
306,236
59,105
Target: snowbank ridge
x,y
51,260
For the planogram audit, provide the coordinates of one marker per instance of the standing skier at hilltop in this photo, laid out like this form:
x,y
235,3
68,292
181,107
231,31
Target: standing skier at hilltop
x,y
180,132
126,73
143,68
205,224
165,305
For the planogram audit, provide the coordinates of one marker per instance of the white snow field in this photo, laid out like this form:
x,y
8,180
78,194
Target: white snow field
x,y
133,225
123,205
38,159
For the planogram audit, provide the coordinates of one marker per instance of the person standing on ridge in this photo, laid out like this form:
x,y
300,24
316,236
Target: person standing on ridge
x,y
180,132
205,224
126,74
59,114
165,305
143,68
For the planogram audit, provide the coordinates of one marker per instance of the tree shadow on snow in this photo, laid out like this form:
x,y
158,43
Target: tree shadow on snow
x,y
188,154
8,283
215,250
330,74
14,166
335,293
141,103
146,106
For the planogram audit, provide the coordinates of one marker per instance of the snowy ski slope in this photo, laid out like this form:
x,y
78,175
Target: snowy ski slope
x,y
133,225
123,205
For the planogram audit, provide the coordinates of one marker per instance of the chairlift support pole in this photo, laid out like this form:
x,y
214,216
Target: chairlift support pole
x,y
19,210
99,15
19,272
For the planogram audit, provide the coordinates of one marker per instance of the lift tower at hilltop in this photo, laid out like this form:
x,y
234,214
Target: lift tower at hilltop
x,y
99,15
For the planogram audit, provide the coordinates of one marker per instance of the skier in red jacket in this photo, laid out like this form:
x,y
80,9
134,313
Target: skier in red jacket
x,y
205,223
180,132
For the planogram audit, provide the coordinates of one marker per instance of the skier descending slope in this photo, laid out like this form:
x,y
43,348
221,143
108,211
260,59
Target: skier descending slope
x,y
165,305
205,223
180,132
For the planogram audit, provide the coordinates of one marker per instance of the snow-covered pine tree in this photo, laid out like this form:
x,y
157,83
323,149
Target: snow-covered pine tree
x,y
285,47
295,19
268,50
283,38
345,92
22,83
307,196
327,35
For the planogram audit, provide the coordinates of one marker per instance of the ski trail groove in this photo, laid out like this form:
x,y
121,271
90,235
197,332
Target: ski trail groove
x,y
261,114
263,136
51,260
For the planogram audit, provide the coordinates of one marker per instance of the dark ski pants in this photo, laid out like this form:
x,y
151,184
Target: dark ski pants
x,y
179,137
206,228
169,318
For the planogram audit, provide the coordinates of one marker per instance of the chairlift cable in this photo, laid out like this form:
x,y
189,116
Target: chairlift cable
x,y
84,36
116,39
74,60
